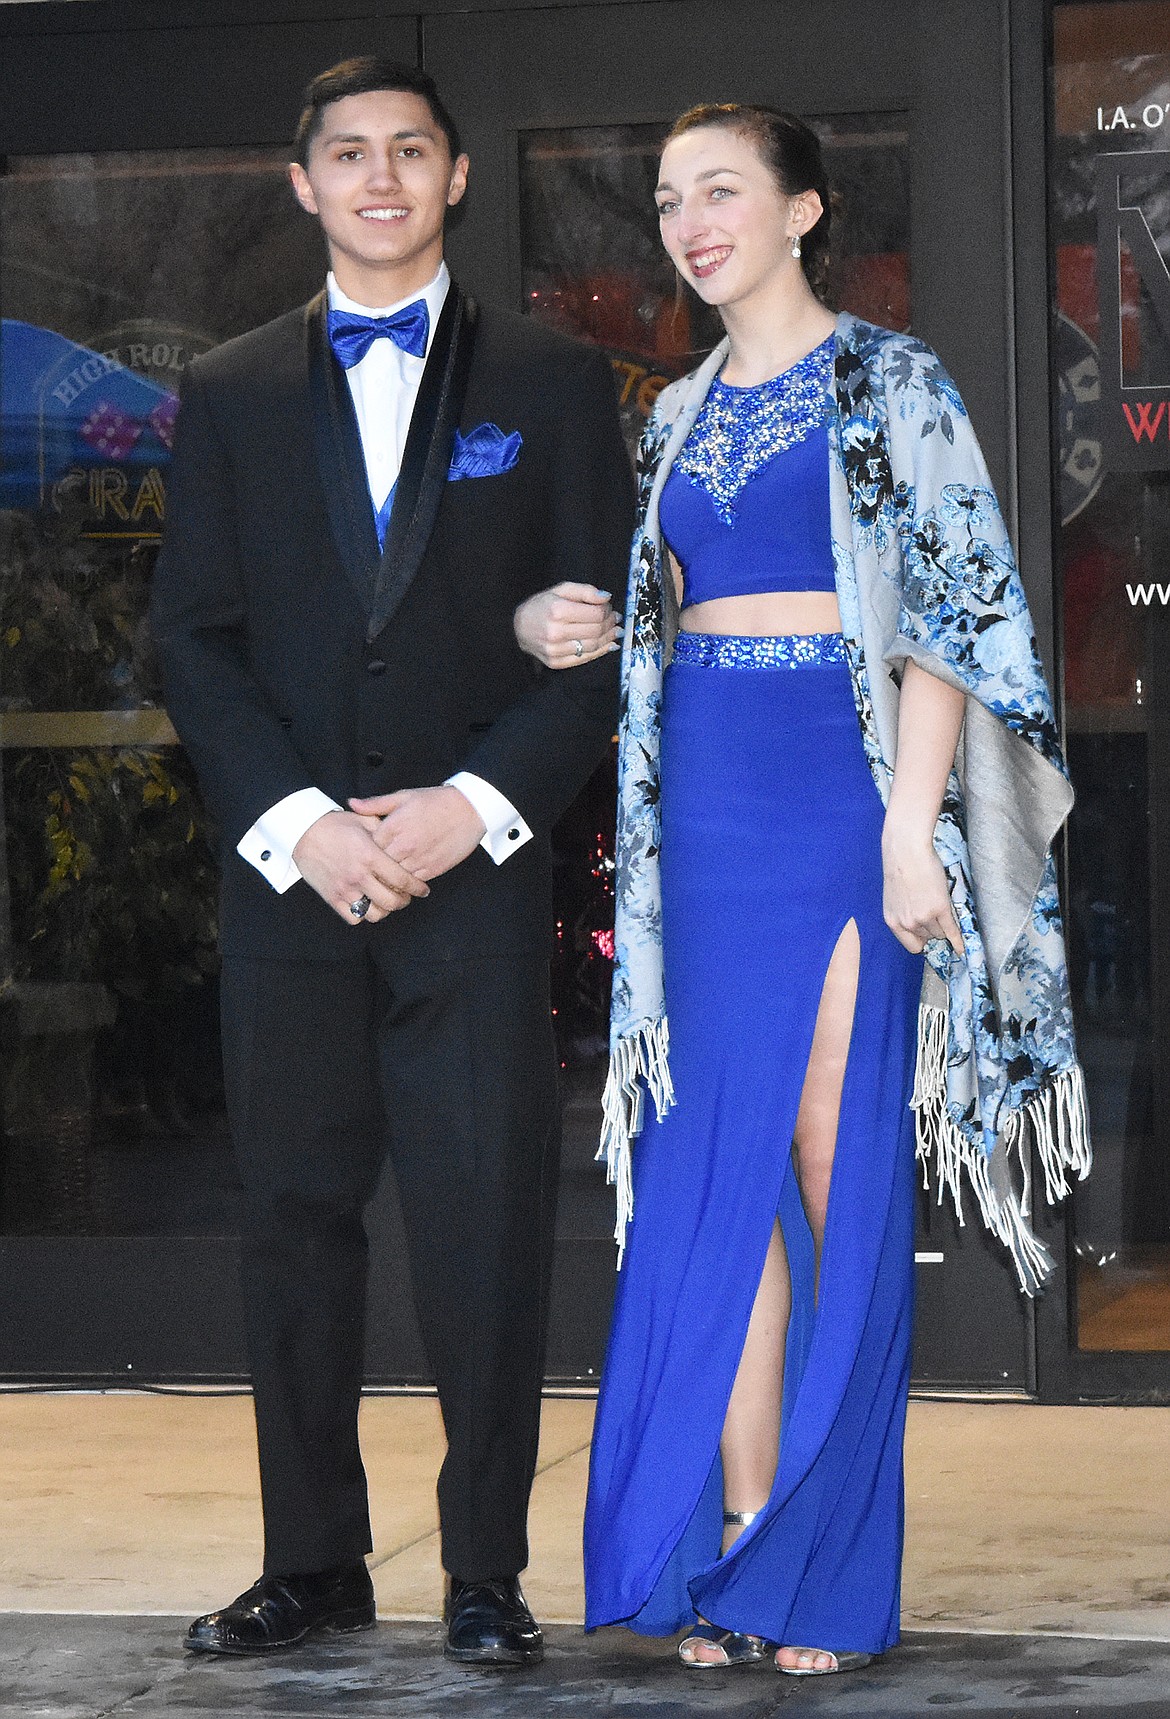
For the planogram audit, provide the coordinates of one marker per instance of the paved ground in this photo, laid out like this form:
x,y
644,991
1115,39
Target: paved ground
x,y
1020,1519
132,1668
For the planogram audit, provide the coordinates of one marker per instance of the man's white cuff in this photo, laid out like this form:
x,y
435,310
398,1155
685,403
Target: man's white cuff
x,y
504,828
269,844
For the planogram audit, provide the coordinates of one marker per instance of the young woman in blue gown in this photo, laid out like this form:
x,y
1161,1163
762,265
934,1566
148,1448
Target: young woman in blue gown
x,y
746,1474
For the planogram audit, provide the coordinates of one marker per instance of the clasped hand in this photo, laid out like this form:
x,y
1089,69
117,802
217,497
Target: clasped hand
x,y
387,848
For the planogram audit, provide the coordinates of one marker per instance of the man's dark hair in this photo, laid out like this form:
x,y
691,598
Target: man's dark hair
x,y
359,77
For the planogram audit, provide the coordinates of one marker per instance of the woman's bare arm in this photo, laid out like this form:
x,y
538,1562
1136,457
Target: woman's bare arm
x,y
917,901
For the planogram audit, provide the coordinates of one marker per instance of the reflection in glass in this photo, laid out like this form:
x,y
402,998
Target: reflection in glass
x,y
1114,553
114,271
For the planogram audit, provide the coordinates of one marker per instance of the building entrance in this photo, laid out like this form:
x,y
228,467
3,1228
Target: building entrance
x,y
143,218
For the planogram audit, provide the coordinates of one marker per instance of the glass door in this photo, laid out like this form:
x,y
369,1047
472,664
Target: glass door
x,y
1109,191
153,221
116,269
563,110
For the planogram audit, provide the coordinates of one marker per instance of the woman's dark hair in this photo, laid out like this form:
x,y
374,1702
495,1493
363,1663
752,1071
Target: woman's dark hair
x,y
360,76
792,152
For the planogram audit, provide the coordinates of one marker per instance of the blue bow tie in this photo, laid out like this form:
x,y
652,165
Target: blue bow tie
x,y
352,336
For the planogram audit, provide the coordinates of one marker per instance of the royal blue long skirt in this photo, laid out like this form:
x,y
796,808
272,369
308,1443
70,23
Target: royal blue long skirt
x,y
771,832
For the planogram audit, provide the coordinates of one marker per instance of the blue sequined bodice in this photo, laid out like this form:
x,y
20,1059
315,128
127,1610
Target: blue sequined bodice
x,y
746,506
739,430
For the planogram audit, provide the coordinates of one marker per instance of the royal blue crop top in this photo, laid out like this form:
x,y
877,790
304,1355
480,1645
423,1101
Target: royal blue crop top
x,y
746,506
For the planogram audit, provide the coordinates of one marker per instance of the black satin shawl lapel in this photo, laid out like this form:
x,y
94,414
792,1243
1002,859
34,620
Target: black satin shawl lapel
x,y
426,459
339,453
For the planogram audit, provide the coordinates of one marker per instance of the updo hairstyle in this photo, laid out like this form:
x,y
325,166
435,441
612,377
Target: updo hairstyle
x,y
791,151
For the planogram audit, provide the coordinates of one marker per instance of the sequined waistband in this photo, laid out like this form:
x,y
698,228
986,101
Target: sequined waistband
x,y
733,650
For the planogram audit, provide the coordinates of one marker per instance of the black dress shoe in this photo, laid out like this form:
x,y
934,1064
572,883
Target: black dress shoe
x,y
282,1610
488,1623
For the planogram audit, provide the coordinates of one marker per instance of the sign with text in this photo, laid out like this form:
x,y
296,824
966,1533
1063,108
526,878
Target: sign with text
x,y
1135,397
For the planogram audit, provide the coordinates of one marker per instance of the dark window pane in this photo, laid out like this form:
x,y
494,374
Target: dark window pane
x,y
593,264
1110,361
114,271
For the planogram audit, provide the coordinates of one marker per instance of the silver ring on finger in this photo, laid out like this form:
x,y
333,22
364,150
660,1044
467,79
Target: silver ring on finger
x,y
578,648
360,907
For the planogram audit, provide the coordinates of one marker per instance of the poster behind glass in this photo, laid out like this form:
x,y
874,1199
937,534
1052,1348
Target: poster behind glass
x,y
114,271
1110,213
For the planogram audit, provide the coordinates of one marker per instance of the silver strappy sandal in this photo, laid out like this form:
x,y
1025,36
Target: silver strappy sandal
x,y
841,1662
736,1647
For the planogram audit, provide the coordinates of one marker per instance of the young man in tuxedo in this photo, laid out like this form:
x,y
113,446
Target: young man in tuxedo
x,y
364,493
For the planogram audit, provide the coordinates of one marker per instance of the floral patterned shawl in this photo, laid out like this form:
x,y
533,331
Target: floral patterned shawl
x,y
925,571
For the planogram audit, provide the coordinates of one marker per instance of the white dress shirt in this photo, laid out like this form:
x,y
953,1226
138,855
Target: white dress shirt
x,y
384,387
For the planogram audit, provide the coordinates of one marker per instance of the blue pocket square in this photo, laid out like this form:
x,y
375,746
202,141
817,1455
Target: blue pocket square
x,y
484,452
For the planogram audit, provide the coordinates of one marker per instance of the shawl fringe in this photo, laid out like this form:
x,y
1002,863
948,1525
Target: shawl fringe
x,y
638,1061
1055,1122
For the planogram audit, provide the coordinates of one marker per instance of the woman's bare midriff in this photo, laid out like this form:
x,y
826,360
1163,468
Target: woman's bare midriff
x,y
768,615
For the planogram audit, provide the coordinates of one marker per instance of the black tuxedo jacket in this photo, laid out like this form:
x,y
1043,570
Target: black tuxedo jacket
x,y
294,655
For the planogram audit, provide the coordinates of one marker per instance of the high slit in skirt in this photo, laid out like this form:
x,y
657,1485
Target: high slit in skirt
x,y
771,845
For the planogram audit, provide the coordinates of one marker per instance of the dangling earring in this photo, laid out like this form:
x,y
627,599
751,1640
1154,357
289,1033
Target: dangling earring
x,y
796,246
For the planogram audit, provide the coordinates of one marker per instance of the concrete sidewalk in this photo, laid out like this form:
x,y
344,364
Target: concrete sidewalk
x,y
1037,1574
1019,1518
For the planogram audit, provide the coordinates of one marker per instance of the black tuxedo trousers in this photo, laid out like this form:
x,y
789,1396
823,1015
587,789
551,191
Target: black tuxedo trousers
x,y
294,655
449,1068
